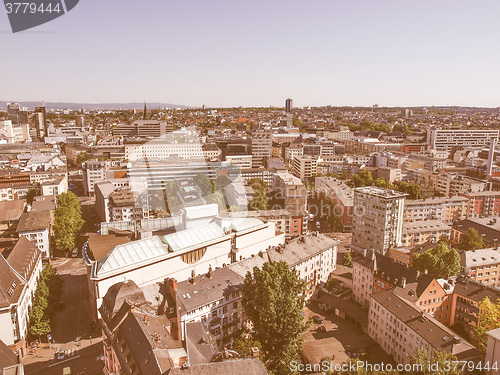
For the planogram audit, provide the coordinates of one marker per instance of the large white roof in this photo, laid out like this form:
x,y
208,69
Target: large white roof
x,y
132,253
190,237
240,224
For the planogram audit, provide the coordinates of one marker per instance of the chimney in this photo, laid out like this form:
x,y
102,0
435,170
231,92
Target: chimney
x,y
172,283
193,279
418,274
425,271
403,282
254,351
209,272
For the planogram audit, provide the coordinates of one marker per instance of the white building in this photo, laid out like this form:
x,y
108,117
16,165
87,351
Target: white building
x,y
242,161
161,149
304,167
35,226
93,171
177,255
445,139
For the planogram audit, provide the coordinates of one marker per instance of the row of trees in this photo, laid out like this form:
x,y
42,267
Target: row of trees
x,y
45,302
67,221
365,178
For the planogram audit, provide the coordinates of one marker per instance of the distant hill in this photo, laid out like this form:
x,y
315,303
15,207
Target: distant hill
x,y
90,106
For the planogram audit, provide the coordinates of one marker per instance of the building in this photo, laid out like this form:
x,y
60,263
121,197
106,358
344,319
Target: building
x,y
292,191
93,171
341,196
241,161
420,232
366,145
373,273
451,184
493,352
161,149
40,119
56,186
447,210
11,133
488,229
35,226
445,139
176,255
145,129
261,146
467,295
483,203
304,167
482,266
401,328
289,105
202,299
389,174
377,219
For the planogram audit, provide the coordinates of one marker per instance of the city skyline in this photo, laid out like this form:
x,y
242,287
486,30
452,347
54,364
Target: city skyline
x,y
222,54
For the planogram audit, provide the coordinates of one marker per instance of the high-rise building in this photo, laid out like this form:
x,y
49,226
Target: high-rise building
x,y
377,219
262,146
40,118
289,105
80,121
445,139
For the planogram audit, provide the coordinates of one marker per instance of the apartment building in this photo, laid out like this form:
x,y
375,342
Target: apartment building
x,y
446,210
467,295
483,203
292,191
145,129
488,228
366,145
35,226
373,273
445,139
342,134
341,196
160,149
482,266
93,170
401,328
304,167
420,232
292,151
261,146
202,298
377,219
450,184
242,161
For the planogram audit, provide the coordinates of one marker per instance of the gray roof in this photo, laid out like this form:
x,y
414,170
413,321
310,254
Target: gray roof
x,y
11,210
424,226
436,334
44,203
21,256
105,187
191,237
246,366
480,257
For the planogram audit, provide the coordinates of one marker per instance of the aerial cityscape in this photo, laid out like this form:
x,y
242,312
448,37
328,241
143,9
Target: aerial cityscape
x,y
257,188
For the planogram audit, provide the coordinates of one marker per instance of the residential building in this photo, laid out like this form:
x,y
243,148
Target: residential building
x,y
419,232
35,226
93,171
377,219
447,210
488,229
341,196
493,352
161,149
450,184
242,161
483,203
40,118
401,328
482,266
304,167
445,139
261,146
389,174
366,145
145,129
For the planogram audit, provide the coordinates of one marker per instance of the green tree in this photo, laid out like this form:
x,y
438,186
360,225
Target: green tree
x,y
471,240
81,157
204,183
437,364
440,261
489,318
67,221
362,178
273,300
260,198
243,343
413,190
380,182
347,260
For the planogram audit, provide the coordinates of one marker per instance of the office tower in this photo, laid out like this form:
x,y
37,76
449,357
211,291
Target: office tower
x,y
262,147
289,105
80,121
40,118
377,219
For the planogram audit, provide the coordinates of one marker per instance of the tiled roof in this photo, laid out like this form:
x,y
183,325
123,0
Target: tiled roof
x,y
34,221
11,210
20,258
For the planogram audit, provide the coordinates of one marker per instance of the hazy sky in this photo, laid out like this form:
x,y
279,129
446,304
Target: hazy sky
x,y
258,53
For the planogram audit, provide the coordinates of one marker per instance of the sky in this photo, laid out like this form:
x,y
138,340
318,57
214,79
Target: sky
x,y
258,53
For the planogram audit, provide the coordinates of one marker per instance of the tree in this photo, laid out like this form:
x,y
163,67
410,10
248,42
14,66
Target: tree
x,y
362,178
440,363
440,261
380,182
413,190
471,240
31,194
273,300
171,198
67,221
244,343
489,318
81,157
347,261
204,183
260,199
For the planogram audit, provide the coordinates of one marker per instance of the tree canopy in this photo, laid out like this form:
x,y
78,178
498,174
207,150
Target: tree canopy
x,y
347,260
260,199
273,300
471,240
489,318
67,221
440,261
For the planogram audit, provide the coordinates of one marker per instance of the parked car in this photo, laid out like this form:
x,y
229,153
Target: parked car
x,y
61,354
321,329
318,319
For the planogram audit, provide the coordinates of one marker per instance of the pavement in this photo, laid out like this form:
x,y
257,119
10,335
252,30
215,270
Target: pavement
x,y
72,322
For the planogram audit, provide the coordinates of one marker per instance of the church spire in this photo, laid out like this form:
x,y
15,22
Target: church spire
x,y
145,114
